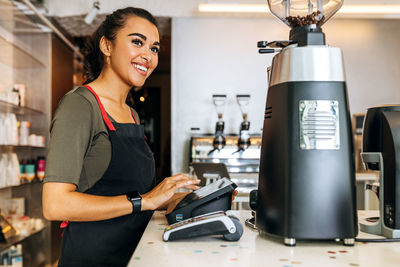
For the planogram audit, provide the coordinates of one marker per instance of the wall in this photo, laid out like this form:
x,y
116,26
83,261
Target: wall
x,y
219,56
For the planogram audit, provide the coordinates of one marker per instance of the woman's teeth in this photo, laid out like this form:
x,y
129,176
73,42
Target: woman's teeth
x,y
140,67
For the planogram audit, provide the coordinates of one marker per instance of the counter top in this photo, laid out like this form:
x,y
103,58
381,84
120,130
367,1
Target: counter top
x,y
254,250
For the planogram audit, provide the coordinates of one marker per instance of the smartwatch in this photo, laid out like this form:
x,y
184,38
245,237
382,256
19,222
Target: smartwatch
x,y
136,199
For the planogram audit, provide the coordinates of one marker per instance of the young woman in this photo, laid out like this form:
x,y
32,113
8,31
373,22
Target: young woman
x,y
100,174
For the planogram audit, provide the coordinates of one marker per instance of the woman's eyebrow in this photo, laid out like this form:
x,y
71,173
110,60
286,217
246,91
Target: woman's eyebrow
x,y
142,36
139,35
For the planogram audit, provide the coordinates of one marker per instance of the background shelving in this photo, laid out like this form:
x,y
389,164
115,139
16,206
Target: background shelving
x,y
25,58
6,107
15,53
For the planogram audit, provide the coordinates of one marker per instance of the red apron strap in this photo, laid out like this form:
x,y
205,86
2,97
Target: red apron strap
x,y
63,225
133,115
103,111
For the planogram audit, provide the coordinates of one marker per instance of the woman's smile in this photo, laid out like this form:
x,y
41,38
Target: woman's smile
x,y
142,68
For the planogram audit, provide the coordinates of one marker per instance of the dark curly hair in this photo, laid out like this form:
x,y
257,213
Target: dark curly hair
x,y
94,58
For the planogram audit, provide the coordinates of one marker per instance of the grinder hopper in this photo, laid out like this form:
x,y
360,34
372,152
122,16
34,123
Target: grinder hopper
x,y
304,12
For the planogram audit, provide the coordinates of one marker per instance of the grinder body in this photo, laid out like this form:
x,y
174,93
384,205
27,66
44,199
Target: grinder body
x,y
381,133
307,175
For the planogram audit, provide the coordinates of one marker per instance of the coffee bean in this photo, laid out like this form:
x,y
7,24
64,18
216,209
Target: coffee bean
x,y
295,21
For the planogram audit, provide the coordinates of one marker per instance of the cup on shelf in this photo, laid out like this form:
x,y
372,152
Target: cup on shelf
x,y
40,168
15,175
12,95
20,89
3,168
9,170
24,132
30,171
10,129
36,140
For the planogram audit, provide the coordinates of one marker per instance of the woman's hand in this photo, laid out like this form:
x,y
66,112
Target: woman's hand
x,y
166,189
234,194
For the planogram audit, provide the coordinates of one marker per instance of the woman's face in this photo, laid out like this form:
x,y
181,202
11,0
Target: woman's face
x,y
134,53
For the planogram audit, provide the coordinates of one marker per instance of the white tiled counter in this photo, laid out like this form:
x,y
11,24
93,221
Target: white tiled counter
x,y
254,250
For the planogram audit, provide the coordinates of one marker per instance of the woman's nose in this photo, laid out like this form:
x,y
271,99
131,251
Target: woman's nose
x,y
146,56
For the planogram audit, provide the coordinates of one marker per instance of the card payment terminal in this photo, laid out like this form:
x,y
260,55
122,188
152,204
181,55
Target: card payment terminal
x,y
216,196
214,223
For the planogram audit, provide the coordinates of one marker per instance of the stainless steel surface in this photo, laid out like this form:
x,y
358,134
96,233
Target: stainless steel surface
x,y
246,161
309,63
242,166
250,224
290,242
319,124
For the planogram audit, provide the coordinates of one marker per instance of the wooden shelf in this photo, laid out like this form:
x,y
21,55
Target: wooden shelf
x,y
21,185
21,147
6,107
15,53
18,239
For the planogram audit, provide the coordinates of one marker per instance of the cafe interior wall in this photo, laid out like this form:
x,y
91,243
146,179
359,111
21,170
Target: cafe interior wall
x,y
213,55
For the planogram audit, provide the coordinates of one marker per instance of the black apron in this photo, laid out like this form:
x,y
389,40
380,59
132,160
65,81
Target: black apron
x,y
112,242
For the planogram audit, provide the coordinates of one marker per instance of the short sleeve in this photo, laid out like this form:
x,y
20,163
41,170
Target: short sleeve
x,y
71,131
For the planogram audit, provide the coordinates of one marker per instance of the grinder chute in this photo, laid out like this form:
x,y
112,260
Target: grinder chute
x,y
219,139
307,178
244,134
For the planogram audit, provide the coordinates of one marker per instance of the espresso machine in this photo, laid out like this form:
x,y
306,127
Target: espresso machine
x,y
381,151
306,187
239,153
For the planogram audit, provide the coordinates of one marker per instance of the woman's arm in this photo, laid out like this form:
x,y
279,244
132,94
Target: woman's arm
x,y
62,203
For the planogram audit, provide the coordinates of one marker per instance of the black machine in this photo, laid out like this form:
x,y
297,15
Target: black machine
x,y
216,196
306,186
381,151
216,223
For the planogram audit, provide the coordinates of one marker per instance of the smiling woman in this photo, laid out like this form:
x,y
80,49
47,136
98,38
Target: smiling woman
x,y
100,175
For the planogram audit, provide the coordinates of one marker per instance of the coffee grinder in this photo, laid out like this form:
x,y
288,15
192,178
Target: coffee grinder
x,y
219,139
244,134
381,151
307,179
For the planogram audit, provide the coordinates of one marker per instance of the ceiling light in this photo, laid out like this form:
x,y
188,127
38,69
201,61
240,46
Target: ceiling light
x,y
93,13
234,8
370,9
348,10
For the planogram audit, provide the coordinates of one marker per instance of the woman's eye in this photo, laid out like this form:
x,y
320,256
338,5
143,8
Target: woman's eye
x,y
155,50
137,42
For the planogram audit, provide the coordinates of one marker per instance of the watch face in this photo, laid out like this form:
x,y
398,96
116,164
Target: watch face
x,y
134,195
136,199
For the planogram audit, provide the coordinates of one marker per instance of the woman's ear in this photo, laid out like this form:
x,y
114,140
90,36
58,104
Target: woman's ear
x,y
105,46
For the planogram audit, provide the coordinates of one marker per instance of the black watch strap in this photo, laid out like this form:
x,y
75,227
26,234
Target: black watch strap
x,y
136,199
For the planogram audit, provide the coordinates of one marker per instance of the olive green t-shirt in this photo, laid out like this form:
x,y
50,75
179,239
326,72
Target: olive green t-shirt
x,y
80,149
